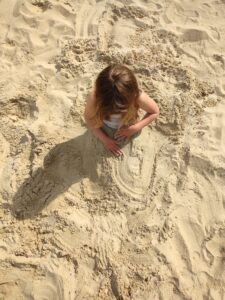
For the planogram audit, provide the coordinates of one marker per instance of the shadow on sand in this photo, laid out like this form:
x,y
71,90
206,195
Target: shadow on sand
x,y
63,166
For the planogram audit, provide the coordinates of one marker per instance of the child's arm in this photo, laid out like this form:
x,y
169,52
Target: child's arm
x,y
88,116
152,112
109,143
151,108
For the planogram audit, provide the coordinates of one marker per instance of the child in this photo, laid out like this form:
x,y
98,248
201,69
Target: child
x,y
112,108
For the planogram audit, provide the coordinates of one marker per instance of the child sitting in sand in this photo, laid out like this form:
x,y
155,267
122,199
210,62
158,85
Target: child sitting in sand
x,y
112,108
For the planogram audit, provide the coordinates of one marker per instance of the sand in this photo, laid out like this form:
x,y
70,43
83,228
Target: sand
x,y
76,222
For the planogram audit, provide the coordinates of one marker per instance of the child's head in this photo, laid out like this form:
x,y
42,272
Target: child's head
x,y
116,91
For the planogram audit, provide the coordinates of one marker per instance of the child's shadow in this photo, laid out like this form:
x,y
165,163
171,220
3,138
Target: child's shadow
x,y
63,166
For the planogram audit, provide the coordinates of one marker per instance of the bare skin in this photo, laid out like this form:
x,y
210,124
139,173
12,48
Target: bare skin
x,y
144,102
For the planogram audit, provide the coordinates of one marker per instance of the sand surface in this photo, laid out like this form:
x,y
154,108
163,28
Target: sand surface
x,y
77,223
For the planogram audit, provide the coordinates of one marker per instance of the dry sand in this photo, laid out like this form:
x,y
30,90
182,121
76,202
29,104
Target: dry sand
x,y
76,223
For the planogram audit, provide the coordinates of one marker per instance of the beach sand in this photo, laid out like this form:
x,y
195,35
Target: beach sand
x,y
76,222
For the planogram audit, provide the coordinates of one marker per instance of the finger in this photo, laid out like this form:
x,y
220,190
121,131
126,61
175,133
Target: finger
x,y
115,149
120,139
119,150
117,153
113,152
119,132
120,136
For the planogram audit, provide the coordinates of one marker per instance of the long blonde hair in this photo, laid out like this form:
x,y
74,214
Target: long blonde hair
x,y
116,91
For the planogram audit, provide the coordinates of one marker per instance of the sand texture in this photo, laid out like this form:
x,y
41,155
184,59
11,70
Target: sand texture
x,y
76,222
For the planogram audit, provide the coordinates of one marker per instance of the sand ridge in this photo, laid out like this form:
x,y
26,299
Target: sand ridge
x,y
77,223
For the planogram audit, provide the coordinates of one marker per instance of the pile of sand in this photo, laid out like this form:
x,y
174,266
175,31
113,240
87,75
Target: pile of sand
x,y
77,223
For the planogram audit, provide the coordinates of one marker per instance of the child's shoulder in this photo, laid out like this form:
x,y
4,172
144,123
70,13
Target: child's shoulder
x,y
141,97
90,104
91,97
91,94
147,103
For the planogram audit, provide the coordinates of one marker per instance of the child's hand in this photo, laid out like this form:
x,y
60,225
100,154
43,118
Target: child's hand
x,y
125,132
112,145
